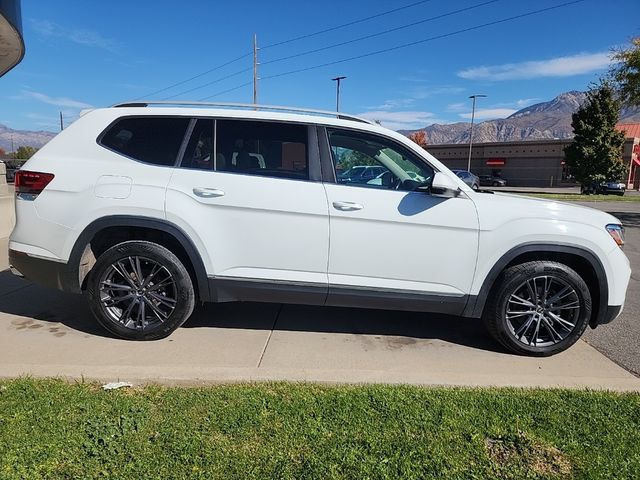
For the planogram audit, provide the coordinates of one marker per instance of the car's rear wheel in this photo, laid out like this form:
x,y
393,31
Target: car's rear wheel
x,y
140,291
538,308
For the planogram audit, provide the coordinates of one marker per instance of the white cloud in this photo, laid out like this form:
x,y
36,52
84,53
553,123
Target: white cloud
x,y
402,120
489,113
88,38
555,67
57,101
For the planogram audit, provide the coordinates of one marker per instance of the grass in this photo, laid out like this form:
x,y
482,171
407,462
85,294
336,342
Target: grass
x,y
577,197
52,429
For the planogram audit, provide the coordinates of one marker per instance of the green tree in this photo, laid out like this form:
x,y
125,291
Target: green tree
x,y
595,154
24,153
626,72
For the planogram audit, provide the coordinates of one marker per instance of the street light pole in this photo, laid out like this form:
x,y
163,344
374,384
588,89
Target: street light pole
x,y
337,80
473,114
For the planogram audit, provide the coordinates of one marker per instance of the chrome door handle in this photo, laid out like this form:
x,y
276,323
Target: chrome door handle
x,y
207,192
347,206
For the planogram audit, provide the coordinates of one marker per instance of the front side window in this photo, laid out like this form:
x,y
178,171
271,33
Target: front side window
x,y
370,161
262,148
153,140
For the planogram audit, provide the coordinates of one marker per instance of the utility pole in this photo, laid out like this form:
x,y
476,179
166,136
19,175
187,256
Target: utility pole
x,y
337,80
255,69
61,122
473,113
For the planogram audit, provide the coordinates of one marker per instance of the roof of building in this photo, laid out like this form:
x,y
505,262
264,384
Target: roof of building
x,y
631,130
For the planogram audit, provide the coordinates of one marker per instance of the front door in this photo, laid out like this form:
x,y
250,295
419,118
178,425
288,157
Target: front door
x,y
393,245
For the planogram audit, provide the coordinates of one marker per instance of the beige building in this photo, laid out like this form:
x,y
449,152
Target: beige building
x,y
538,163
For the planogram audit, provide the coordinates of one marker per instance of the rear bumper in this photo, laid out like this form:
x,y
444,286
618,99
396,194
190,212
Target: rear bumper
x,y
47,273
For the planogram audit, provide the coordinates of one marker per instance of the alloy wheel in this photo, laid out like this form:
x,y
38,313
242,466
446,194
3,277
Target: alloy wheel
x,y
137,292
542,311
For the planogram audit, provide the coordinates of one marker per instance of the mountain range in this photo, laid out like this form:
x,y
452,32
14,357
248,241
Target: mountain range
x,y
541,121
536,122
22,138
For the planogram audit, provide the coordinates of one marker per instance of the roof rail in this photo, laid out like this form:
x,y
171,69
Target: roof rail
x,y
278,108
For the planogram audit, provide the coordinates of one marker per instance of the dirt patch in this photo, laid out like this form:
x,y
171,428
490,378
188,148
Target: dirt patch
x,y
513,455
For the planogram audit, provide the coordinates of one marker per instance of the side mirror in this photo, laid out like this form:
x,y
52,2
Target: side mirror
x,y
444,186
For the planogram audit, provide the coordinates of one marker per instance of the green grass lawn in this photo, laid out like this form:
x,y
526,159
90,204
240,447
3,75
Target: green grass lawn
x,y
576,197
52,429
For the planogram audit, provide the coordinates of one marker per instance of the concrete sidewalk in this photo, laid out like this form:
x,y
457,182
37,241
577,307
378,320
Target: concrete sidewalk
x,y
47,333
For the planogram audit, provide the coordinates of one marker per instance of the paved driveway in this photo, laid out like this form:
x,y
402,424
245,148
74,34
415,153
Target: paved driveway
x,y
47,333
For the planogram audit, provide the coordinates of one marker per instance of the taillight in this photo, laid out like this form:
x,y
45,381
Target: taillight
x,y
31,184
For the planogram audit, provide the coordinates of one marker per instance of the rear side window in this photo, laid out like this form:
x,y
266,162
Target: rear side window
x,y
147,139
262,148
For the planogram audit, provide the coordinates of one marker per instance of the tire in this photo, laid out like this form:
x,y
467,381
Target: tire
x,y
511,329
155,306
496,184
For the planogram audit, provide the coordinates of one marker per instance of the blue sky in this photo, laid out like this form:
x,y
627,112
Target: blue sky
x,y
83,54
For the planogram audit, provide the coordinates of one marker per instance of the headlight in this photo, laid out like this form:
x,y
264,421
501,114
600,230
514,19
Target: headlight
x,y
617,233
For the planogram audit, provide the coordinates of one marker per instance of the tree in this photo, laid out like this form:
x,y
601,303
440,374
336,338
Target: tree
x,y
626,72
24,153
595,155
419,137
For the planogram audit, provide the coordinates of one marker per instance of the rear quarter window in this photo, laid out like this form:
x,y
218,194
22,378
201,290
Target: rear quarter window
x,y
147,139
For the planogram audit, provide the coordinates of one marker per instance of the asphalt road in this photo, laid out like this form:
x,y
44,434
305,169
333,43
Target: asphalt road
x,y
620,340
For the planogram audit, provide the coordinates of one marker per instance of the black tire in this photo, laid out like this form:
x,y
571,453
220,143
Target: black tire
x,y
166,298
505,329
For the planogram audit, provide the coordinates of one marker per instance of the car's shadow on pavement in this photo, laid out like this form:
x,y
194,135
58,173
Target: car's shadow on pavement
x,y
21,298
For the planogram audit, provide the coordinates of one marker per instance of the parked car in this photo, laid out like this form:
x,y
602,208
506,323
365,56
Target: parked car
x,y
11,167
360,174
469,178
605,188
492,181
169,220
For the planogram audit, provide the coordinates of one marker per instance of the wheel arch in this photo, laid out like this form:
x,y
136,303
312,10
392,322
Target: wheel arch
x,y
584,261
134,228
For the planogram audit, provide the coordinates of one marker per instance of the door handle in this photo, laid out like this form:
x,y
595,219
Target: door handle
x,y
347,206
207,192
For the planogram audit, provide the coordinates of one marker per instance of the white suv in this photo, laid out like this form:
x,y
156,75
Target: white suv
x,y
151,209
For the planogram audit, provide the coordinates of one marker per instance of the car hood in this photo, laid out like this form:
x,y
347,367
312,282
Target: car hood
x,y
510,206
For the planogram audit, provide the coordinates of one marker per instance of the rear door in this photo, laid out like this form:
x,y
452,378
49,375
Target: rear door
x,y
392,244
250,192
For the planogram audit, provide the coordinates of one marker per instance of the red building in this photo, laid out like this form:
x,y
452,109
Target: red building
x,y
632,152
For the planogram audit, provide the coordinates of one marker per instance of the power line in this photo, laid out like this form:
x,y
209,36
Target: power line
x,y
418,42
225,91
384,32
217,80
337,45
354,22
195,76
283,42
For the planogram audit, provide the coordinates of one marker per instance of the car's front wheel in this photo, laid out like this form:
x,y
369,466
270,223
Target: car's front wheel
x,y
538,308
140,291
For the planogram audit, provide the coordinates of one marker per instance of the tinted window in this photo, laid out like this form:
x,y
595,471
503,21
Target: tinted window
x,y
371,161
262,148
199,151
148,139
